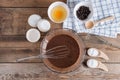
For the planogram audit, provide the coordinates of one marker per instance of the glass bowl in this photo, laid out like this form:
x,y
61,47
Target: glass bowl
x,y
80,48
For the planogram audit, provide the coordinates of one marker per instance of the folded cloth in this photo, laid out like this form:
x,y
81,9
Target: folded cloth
x,y
102,9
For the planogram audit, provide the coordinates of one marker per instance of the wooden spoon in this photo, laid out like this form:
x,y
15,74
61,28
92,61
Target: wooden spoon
x,y
91,24
92,63
93,52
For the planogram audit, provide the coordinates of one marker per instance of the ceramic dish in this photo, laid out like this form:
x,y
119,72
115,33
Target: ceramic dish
x,y
87,4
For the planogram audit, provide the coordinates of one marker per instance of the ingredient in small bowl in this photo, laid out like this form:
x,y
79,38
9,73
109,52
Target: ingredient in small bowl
x,y
58,12
33,20
33,35
83,12
43,25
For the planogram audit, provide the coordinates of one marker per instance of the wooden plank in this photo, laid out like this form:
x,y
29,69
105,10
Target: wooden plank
x,y
27,3
14,20
10,41
10,55
18,47
16,44
95,74
94,41
36,71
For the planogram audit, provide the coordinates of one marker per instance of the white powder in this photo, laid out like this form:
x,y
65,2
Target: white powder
x,y
33,20
33,35
92,63
93,52
43,25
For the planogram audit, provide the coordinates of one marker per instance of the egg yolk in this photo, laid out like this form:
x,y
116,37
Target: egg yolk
x,y
58,13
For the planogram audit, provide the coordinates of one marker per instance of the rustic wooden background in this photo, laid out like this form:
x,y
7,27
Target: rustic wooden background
x,y
13,45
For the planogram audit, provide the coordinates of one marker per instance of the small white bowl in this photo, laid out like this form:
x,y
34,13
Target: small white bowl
x,y
33,20
54,4
43,25
87,4
33,35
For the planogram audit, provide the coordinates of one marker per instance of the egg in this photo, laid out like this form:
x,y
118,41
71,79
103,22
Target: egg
x,y
58,12
43,25
33,35
33,20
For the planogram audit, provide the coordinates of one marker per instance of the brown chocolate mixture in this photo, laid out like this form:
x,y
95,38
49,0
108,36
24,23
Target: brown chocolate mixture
x,y
71,44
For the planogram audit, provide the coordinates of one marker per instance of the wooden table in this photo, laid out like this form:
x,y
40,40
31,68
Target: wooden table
x,y
13,45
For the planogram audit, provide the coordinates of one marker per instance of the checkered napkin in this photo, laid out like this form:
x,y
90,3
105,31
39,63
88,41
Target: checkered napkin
x,y
102,9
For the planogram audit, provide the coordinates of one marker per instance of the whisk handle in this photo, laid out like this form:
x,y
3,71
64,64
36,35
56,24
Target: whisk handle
x,y
27,58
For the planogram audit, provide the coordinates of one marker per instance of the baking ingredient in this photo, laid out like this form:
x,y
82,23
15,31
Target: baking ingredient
x,y
93,52
71,44
33,35
92,63
33,20
91,24
58,13
43,25
83,12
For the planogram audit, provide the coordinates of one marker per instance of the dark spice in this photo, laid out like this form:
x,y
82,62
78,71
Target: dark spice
x,y
83,12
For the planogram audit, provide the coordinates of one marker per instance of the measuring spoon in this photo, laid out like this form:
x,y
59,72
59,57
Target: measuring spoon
x,y
91,24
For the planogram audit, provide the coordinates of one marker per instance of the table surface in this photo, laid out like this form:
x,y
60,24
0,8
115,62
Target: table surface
x,y
13,45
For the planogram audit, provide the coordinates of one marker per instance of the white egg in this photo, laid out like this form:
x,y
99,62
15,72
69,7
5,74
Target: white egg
x,y
33,20
92,63
33,35
43,25
93,52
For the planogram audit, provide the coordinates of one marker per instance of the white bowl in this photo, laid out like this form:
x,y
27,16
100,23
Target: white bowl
x,y
43,25
54,4
33,19
33,35
87,4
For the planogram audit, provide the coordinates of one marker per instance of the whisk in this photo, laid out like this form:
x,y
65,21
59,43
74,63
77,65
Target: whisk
x,y
55,53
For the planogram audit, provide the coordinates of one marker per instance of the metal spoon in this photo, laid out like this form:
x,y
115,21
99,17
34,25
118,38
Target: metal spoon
x,y
91,24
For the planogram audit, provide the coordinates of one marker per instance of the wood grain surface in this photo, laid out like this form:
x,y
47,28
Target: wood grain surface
x,y
13,45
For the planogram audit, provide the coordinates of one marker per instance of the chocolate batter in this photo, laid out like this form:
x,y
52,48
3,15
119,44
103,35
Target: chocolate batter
x,y
72,55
